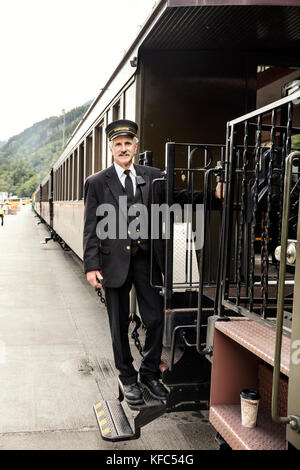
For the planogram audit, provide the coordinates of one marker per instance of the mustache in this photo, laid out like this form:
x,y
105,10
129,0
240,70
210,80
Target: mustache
x,y
124,154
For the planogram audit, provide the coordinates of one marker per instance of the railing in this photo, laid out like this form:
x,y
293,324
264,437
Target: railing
x,y
188,185
257,147
294,421
191,171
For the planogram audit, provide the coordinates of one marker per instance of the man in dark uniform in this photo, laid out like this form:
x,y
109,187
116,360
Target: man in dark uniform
x,y
120,262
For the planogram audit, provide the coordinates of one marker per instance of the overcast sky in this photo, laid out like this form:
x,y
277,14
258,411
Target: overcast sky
x,y
58,54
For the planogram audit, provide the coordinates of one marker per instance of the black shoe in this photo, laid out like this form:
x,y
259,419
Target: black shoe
x,y
155,388
132,393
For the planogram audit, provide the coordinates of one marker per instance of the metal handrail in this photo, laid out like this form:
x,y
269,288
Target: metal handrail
x,y
155,286
266,109
294,421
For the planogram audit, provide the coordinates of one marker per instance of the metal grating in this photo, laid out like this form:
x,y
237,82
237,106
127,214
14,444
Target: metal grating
x,y
120,420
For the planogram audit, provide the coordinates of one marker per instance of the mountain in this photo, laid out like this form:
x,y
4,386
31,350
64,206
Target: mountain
x,y
25,158
3,142
88,103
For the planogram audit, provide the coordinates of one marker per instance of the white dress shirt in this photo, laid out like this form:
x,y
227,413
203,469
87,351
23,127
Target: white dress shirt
x,y
122,175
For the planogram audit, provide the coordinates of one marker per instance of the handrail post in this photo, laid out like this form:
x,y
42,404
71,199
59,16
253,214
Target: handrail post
x,y
170,165
294,421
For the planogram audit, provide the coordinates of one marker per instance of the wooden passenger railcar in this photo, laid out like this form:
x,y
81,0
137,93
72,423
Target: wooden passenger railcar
x,y
194,67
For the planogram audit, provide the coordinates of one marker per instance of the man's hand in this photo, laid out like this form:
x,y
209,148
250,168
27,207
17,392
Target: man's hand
x,y
220,191
92,277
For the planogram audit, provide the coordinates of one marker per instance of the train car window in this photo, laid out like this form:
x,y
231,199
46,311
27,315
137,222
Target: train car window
x,y
71,177
75,175
104,146
61,196
64,182
56,179
67,179
108,159
55,185
98,147
45,192
116,111
81,171
89,155
129,102
60,184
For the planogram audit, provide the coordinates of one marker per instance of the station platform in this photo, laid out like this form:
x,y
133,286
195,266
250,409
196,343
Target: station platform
x,y
56,357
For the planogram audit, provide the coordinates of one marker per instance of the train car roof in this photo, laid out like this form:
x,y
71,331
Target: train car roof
x,y
191,3
45,180
252,25
256,26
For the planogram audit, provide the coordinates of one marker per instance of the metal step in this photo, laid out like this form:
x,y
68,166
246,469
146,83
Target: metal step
x,y
112,421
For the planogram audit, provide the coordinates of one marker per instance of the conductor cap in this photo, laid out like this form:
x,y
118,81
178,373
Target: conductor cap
x,y
121,127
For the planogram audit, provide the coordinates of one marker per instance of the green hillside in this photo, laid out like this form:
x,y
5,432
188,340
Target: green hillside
x,y
26,157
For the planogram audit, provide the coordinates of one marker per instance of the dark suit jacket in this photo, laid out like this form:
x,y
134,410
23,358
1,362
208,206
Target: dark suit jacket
x,y
111,256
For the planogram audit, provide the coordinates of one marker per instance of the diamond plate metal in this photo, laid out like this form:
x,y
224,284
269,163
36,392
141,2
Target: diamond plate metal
x,y
267,435
258,339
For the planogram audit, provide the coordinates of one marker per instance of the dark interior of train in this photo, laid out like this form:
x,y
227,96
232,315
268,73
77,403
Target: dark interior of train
x,y
188,99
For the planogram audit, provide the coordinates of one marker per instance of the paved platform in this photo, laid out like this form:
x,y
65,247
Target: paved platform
x,y
56,356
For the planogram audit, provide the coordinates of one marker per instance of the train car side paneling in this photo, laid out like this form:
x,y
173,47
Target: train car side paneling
x,y
45,211
68,223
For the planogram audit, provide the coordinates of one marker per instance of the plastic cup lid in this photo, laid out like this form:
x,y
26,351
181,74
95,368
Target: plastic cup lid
x,y
250,394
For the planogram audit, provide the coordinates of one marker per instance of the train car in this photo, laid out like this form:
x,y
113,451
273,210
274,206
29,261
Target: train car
x,y
194,68
44,200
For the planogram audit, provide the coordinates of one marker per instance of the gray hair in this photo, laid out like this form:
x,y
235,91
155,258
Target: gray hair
x,y
135,142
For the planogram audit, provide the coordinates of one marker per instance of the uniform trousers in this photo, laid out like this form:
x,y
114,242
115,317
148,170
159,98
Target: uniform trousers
x,y
150,305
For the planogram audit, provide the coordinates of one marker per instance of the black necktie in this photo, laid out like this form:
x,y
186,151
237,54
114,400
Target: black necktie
x,y
129,186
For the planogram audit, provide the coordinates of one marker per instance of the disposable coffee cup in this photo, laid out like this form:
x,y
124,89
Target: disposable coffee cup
x,y
249,407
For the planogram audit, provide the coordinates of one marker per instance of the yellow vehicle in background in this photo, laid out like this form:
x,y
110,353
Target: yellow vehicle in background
x,y
13,201
13,205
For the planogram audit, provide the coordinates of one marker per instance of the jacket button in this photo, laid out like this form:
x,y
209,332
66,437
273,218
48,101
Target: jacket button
x,y
128,247
139,241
